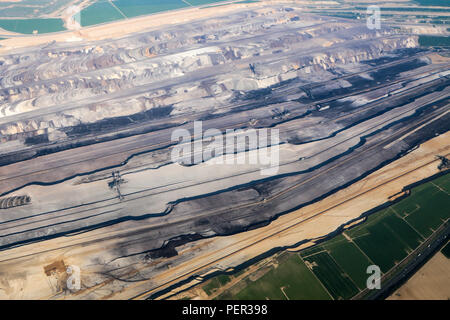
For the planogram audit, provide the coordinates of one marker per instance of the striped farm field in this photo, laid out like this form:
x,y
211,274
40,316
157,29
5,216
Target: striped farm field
x,y
337,267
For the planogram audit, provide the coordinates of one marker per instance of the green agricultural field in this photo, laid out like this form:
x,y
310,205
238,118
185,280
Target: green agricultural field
x,y
385,238
215,283
443,182
203,2
292,276
350,258
337,282
133,8
405,207
411,9
434,41
310,251
439,3
105,11
31,8
346,15
432,206
99,12
27,26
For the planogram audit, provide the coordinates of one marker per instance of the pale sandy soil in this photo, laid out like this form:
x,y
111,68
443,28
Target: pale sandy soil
x,y
437,58
423,29
431,282
7,33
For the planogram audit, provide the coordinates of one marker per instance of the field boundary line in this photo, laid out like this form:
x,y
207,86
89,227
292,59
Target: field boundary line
x,y
403,218
360,250
190,4
115,7
397,267
312,254
314,275
359,236
440,188
284,293
409,213
399,239
348,276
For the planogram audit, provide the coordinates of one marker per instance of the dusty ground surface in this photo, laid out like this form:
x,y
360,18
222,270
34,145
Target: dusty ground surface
x,y
361,113
431,282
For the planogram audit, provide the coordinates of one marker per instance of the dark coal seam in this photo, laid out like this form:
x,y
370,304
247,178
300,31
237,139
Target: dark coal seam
x,y
171,205
440,88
